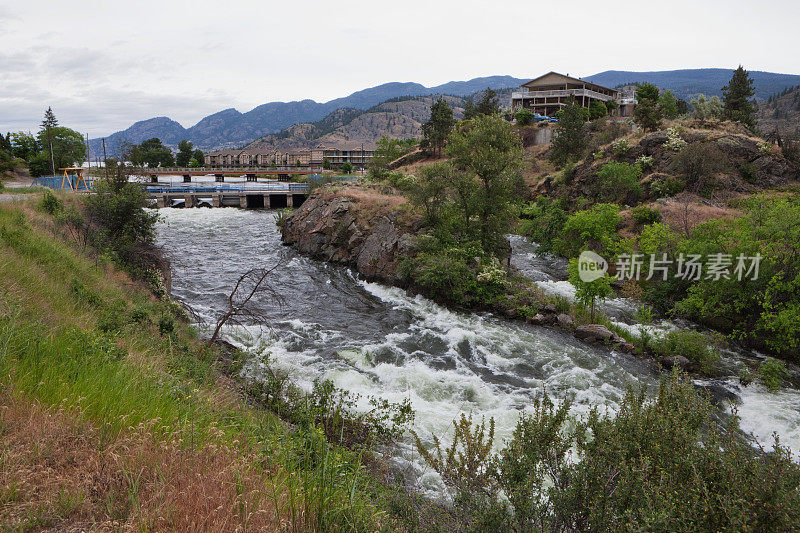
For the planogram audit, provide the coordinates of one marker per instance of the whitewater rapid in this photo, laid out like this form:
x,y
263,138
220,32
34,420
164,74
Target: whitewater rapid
x,y
376,340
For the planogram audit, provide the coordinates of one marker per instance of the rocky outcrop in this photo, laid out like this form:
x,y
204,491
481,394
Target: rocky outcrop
x,y
344,229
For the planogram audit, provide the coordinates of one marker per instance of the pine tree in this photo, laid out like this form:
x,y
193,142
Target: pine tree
x,y
489,104
737,98
438,127
48,124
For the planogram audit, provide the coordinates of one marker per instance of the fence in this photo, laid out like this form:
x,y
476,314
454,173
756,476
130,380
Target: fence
x,y
61,182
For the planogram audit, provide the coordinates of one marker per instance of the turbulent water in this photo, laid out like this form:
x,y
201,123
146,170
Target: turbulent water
x,y
376,340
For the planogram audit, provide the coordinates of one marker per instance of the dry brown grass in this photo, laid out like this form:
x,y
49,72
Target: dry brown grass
x,y
685,211
58,472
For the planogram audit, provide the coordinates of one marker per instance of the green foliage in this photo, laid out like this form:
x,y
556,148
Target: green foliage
x,y
698,163
436,131
660,464
524,117
772,373
69,148
620,147
707,108
347,167
588,292
487,152
571,137
693,345
645,162
122,228
488,104
466,462
594,229
543,222
643,214
185,153
597,110
648,113
668,104
151,153
666,186
50,203
386,151
620,181
737,98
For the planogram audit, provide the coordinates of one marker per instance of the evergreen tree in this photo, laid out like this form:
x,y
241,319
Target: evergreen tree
x,y
48,124
668,104
737,99
647,113
570,136
438,127
489,104
470,111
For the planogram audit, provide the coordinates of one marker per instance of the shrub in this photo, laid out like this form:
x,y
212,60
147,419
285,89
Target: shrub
x,y
50,203
698,163
645,162
692,345
543,221
772,373
765,147
524,117
620,147
643,214
674,141
660,464
600,154
620,181
665,187
594,228
749,172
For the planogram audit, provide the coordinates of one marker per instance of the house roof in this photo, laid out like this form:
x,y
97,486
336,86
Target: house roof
x,y
554,77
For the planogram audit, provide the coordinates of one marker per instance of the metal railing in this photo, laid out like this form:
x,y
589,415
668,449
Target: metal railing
x,y
300,188
519,95
212,170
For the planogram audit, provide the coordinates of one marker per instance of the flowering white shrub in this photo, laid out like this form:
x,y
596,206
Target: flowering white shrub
x,y
674,141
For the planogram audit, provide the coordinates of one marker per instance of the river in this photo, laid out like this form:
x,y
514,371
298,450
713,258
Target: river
x,y
376,340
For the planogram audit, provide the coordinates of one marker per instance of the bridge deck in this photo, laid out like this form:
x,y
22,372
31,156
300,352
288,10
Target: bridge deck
x,y
225,171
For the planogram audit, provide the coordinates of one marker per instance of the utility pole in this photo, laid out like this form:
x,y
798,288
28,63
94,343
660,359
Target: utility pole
x,y
88,158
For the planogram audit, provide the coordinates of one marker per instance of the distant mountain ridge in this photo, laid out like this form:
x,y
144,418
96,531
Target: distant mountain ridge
x,y
688,83
232,128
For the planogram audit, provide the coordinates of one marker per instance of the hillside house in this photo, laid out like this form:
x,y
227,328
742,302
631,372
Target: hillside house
x,y
357,153
547,94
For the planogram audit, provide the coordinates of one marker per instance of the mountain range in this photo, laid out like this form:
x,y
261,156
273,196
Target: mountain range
x,y
231,128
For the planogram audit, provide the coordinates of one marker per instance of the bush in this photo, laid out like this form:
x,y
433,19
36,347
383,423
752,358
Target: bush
x,y
594,229
645,162
50,203
543,221
692,345
698,163
620,181
665,187
524,117
661,464
620,147
749,172
643,214
772,373
674,141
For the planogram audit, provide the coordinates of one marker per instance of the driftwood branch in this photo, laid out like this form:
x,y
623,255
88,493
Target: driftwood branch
x,y
254,281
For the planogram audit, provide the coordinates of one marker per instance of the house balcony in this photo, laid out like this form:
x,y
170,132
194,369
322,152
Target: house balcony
x,y
525,94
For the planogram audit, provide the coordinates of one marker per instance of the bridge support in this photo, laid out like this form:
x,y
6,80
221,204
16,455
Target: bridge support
x,y
216,200
187,178
267,201
243,201
289,200
189,200
161,202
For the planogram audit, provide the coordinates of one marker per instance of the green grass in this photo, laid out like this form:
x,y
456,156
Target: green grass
x,y
76,334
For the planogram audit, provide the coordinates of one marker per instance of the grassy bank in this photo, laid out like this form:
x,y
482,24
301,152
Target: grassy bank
x,y
114,415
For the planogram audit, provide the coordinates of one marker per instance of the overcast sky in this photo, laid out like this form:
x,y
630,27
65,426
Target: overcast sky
x,y
105,64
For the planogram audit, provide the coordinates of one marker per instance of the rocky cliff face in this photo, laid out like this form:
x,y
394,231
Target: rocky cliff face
x,y
351,230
